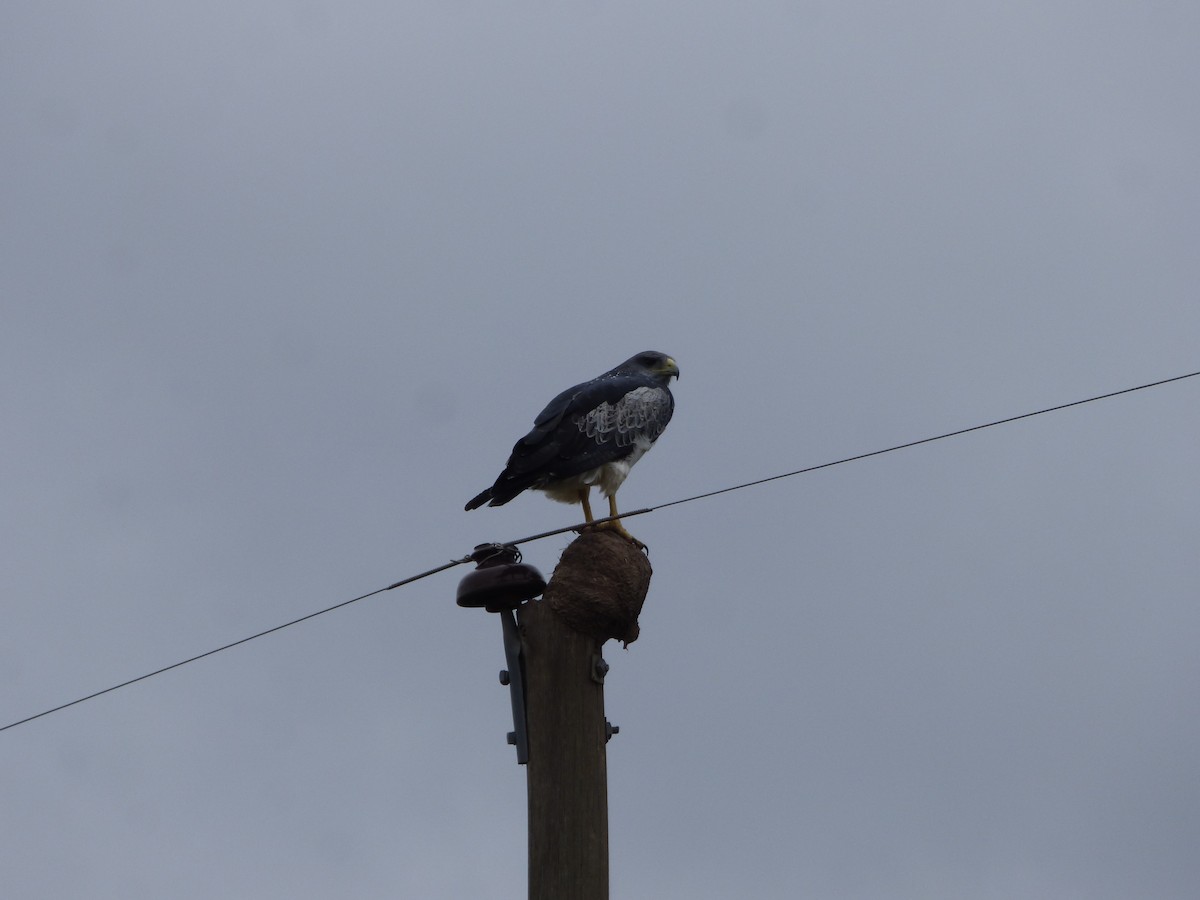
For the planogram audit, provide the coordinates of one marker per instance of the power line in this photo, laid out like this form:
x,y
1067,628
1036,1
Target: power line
x,y
579,526
192,659
929,440
858,456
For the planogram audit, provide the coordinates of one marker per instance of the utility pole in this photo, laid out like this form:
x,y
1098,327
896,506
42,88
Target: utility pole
x,y
557,684
568,771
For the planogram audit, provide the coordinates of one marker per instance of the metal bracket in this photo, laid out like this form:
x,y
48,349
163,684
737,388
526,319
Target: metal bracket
x,y
514,677
599,668
501,584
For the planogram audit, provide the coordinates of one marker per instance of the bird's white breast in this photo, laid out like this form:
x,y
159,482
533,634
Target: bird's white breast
x,y
607,477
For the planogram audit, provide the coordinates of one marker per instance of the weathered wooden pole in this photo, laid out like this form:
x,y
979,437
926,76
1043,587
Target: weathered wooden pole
x,y
567,771
595,593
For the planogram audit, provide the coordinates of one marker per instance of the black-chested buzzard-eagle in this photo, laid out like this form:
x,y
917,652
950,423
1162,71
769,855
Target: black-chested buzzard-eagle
x,y
591,434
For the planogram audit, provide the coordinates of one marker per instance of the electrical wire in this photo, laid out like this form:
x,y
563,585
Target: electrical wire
x,y
858,456
625,515
231,644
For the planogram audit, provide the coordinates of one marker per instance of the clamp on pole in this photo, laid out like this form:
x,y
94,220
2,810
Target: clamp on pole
x,y
501,583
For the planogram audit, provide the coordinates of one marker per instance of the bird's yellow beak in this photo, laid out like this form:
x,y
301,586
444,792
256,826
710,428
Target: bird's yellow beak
x,y
669,368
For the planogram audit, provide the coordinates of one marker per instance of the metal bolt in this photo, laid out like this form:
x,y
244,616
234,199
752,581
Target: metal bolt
x,y
599,669
504,677
610,729
511,737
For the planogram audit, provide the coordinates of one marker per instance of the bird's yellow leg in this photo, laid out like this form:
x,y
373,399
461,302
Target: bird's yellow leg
x,y
587,506
615,523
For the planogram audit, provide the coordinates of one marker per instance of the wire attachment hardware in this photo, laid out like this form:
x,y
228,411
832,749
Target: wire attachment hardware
x,y
501,584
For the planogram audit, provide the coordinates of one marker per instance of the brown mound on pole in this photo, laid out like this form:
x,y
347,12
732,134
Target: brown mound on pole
x,y
599,586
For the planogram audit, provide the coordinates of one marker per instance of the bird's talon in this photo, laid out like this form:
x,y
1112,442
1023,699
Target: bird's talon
x,y
613,525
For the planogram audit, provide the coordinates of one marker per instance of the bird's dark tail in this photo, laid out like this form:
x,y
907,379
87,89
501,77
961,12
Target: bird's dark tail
x,y
479,499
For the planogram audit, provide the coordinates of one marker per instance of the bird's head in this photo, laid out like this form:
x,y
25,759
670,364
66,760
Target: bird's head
x,y
652,363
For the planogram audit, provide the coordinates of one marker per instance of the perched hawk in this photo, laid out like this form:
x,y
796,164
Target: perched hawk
x,y
591,434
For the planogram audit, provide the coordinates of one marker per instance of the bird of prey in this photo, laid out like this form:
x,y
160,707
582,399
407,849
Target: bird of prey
x,y
591,434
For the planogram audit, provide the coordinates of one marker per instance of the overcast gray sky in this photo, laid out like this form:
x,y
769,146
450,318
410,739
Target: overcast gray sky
x,y
282,282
